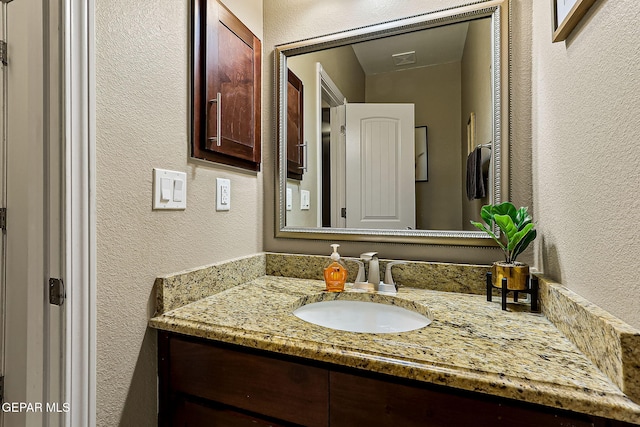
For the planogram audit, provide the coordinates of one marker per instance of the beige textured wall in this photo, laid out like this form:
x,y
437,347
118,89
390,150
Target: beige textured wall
x,y
291,20
437,105
586,156
142,122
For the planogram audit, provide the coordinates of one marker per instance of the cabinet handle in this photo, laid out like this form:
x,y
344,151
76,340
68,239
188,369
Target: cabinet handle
x,y
218,102
305,151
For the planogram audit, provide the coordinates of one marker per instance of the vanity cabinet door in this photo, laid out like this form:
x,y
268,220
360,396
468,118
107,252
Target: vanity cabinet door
x,y
358,400
295,124
248,382
226,87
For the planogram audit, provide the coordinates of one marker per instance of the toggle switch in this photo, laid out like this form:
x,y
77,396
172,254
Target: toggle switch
x,y
177,190
165,192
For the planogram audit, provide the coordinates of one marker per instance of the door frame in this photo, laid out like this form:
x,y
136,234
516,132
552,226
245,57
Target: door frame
x,y
329,92
80,211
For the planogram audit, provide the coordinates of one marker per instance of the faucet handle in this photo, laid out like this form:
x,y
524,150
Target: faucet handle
x,y
360,277
388,277
368,256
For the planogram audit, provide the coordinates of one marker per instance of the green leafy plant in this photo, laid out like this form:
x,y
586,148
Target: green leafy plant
x,y
516,225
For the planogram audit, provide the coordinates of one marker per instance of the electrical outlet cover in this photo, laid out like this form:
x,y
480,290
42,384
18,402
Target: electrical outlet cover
x,y
305,199
223,194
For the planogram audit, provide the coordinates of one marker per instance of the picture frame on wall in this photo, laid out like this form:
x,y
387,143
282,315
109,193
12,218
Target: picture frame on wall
x,y
566,16
422,154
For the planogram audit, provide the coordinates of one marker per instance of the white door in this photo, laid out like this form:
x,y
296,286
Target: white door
x,y
380,167
33,340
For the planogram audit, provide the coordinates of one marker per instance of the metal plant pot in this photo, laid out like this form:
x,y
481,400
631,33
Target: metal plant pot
x,y
517,275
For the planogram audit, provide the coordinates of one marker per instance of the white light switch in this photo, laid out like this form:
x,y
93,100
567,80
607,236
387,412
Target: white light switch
x,y
165,192
169,189
289,199
223,194
305,199
178,185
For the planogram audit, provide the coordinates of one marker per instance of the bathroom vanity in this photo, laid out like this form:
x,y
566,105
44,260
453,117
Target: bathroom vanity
x,y
241,357
210,383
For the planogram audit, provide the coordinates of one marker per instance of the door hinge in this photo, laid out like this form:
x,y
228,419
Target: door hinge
x,y
3,52
343,212
3,218
56,291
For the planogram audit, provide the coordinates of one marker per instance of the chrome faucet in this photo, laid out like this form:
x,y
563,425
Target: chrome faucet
x,y
373,282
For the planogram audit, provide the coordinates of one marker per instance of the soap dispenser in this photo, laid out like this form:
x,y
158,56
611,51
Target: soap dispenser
x,y
335,275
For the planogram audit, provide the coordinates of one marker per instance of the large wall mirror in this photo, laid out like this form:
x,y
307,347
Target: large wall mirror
x,y
396,132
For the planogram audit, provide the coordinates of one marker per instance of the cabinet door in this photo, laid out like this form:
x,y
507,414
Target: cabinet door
x,y
226,87
246,382
295,121
361,401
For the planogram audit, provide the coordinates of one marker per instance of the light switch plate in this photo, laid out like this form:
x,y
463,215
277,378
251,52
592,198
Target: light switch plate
x,y
305,200
223,194
165,183
289,198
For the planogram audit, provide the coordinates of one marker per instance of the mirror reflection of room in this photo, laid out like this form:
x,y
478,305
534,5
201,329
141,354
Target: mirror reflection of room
x,y
445,75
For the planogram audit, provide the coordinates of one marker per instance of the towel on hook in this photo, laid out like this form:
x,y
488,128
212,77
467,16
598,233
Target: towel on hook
x,y
475,180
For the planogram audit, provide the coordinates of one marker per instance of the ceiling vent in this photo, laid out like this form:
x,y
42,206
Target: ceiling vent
x,y
405,58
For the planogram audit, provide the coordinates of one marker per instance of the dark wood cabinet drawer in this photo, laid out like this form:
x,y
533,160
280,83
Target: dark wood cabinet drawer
x,y
276,388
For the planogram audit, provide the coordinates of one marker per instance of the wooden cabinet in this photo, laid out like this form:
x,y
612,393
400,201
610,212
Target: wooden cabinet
x,y
204,383
238,384
226,86
295,127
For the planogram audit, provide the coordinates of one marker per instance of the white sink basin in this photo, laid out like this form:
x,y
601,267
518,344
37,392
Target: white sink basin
x,y
361,316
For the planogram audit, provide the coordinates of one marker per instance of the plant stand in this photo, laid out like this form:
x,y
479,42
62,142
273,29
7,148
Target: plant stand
x,y
533,289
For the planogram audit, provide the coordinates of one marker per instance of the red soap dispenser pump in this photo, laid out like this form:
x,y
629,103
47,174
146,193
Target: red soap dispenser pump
x,y
335,275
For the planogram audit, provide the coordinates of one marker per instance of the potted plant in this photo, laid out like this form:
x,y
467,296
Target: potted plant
x,y
517,233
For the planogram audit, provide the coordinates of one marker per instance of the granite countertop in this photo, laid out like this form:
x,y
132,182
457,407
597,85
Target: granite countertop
x,y
471,344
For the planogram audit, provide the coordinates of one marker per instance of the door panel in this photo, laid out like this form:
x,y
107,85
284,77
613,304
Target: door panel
x,y
226,87
25,209
34,160
380,175
295,128
3,195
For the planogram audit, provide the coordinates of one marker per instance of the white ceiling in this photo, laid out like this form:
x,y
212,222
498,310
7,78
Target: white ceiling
x,y
439,45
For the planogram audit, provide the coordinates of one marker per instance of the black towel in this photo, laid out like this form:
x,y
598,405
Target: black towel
x,y
475,180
